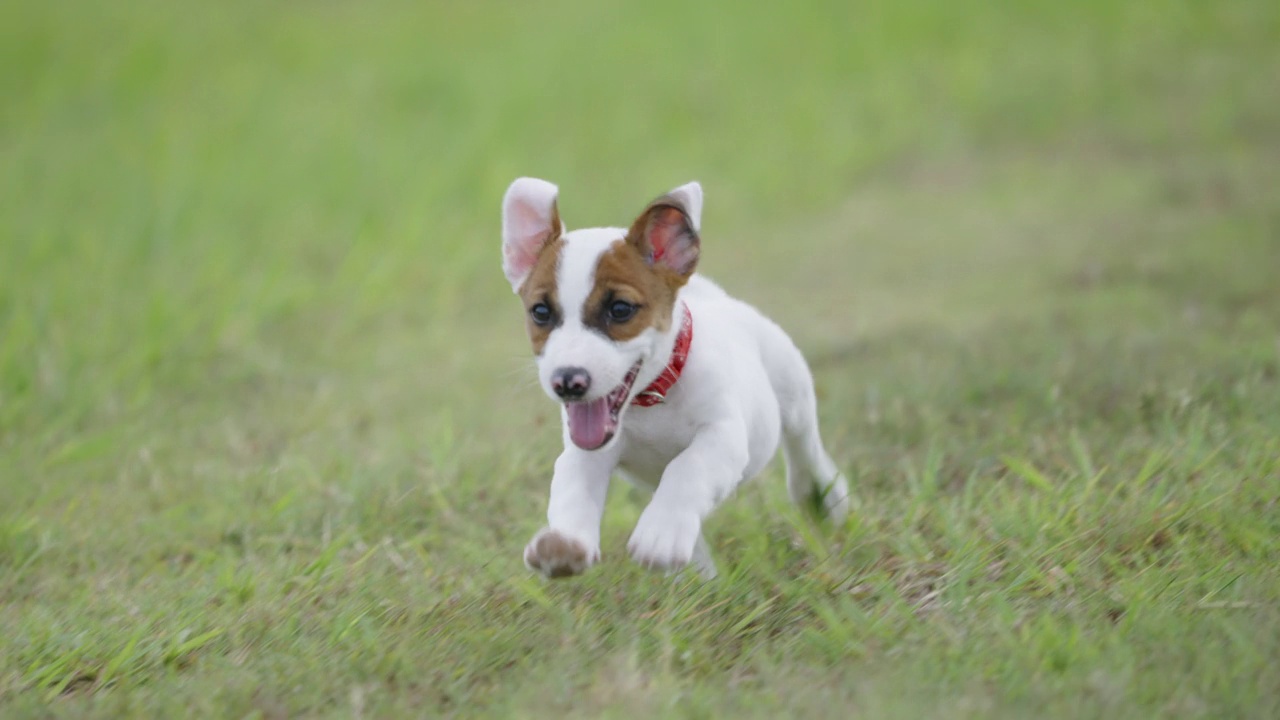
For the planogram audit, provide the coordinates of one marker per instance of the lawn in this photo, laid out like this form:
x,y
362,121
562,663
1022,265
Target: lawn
x,y
271,443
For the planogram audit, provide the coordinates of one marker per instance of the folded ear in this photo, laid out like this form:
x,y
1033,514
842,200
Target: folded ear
x,y
689,196
666,233
530,220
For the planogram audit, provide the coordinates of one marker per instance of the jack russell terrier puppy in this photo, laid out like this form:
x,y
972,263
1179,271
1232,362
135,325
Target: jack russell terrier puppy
x,y
663,377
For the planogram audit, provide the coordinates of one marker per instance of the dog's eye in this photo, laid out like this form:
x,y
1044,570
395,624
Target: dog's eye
x,y
541,314
621,311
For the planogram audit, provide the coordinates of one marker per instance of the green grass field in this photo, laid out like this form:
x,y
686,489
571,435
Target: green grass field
x,y
271,445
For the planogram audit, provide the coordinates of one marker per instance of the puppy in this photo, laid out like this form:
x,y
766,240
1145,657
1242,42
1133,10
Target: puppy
x,y
662,376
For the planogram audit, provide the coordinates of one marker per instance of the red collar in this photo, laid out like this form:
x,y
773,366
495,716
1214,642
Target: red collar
x,y
657,391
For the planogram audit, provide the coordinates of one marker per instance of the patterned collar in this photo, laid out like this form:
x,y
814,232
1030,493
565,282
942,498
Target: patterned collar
x,y
656,393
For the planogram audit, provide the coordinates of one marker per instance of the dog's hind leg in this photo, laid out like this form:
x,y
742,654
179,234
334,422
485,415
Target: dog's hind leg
x,y
813,480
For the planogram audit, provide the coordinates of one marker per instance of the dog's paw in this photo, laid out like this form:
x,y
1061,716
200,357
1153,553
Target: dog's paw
x,y
664,539
556,555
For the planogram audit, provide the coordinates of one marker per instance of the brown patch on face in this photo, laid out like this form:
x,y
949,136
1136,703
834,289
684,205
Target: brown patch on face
x,y
622,274
540,287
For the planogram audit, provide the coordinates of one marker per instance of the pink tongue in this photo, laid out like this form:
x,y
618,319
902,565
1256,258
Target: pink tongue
x,y
589,423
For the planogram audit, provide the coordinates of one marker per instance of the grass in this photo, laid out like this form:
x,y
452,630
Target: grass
x,y
269,440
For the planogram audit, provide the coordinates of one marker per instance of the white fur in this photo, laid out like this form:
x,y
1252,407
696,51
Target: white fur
x,y
744,391
690,195
574,344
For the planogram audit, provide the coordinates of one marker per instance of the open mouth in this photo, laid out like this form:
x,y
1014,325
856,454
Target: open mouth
x,y
593,424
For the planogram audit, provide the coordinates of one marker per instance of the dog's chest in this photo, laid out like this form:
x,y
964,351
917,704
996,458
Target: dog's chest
x,y
651,439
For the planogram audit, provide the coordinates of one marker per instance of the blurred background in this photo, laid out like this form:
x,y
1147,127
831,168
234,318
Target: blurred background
x,y
239,234
251,300
209,204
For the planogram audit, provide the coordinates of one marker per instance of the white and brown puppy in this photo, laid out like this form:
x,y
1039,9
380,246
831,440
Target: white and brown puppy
x,y
663,377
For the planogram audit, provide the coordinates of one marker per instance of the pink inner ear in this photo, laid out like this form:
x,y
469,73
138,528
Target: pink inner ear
x,y
527,229
520,256
674,243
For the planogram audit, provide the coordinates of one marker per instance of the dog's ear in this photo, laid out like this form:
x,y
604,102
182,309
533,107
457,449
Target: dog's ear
x,y
530,219
666,233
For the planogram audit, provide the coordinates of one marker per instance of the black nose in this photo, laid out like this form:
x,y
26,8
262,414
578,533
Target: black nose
x,y
571,383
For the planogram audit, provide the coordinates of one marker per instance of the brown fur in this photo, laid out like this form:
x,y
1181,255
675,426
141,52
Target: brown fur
x,y
625,272
622,274
540,286
562,556
664,220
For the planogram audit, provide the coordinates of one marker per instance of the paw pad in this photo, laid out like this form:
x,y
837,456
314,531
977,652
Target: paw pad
x,y
556,555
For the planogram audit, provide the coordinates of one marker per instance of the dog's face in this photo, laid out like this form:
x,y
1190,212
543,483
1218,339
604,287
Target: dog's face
x,y
597,301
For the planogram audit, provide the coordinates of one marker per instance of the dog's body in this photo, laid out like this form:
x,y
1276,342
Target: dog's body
x,y
708,387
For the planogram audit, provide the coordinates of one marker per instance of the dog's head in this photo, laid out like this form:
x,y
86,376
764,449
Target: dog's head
x,y
599,301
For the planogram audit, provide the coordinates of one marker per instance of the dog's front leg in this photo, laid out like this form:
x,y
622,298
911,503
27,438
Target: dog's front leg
x,y
692,486
571,541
